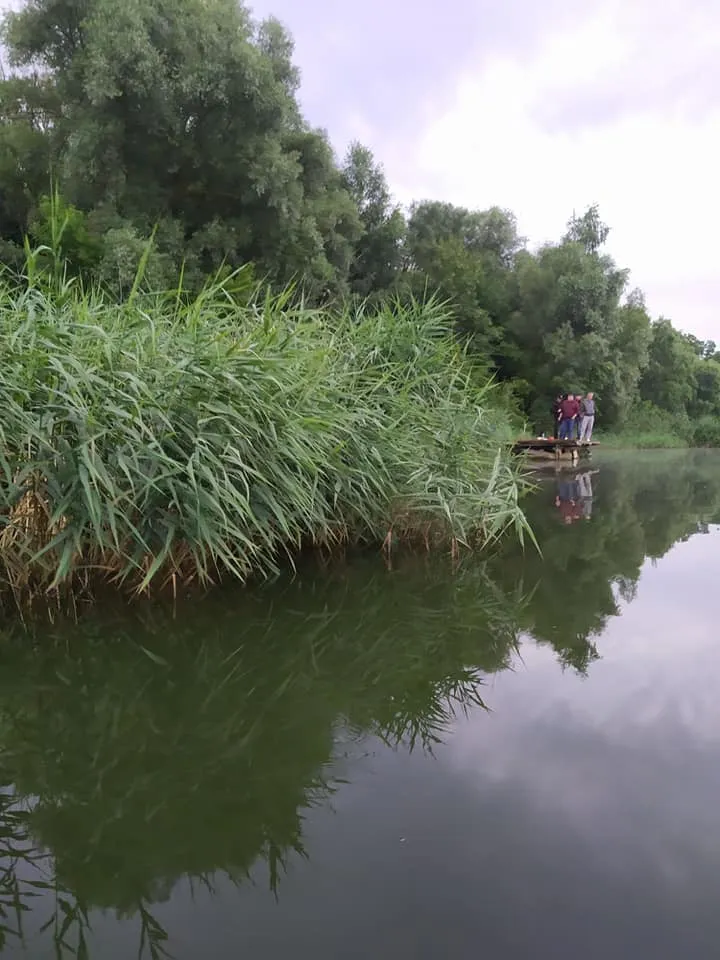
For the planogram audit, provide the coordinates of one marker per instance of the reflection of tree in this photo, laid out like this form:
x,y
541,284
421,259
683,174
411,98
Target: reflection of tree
x,y
643,504
165,748
150,749
627,589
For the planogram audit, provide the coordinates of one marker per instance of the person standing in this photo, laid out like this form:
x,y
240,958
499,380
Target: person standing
x,y
557,415
578,422
569,410
588,418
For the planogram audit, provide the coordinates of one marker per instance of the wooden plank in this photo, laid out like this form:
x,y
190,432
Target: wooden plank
x,y
548,443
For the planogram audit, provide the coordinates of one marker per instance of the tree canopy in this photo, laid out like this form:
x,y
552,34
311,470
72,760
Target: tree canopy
x,y
179,120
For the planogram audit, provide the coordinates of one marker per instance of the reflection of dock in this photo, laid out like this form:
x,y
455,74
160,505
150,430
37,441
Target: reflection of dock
x,y
543,448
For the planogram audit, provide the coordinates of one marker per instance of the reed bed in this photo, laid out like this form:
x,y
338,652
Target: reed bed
x,y
166,441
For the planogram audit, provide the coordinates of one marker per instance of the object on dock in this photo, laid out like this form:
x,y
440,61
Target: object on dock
x,y
549,448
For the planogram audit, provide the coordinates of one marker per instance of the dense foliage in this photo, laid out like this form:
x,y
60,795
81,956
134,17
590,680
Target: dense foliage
x,y
178,119
169,440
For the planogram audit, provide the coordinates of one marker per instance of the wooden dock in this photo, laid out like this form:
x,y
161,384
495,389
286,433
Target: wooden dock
x,y
547,448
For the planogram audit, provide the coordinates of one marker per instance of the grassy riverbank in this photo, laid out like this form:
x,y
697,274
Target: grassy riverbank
x,y
163,442
641,440
651,428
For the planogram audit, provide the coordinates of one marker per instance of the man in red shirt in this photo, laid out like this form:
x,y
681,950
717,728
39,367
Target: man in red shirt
x,y
569,411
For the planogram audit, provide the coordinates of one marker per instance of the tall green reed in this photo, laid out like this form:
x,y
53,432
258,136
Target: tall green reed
x,y
167,439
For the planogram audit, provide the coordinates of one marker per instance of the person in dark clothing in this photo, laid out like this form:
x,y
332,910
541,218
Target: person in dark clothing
x,y
569,410
578,422
556,414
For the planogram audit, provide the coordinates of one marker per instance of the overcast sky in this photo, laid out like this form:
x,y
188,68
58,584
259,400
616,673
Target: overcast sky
x,y
542,106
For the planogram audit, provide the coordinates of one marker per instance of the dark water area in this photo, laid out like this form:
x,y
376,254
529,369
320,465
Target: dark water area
x,y
515,758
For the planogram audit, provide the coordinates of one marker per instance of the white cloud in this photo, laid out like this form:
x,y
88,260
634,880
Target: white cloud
x,y
652,168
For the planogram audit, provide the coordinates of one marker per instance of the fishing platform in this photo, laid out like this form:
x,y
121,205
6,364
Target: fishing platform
x,y
548,448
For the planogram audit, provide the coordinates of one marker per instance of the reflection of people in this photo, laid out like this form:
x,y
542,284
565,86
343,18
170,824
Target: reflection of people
x,y
566,500
585,493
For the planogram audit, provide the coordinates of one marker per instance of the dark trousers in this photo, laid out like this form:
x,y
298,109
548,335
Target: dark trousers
x,y
567,430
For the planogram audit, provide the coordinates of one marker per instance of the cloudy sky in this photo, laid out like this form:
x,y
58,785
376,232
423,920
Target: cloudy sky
x,y
542,106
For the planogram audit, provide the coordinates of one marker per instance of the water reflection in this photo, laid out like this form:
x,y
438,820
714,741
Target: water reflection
x,y
574,496
642,504
184,746
136,752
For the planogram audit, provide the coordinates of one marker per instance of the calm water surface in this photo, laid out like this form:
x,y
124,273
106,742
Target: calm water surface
x,y
515,759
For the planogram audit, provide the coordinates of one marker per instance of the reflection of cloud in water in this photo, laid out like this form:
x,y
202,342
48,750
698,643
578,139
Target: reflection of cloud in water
x,y
629,757
655,660
581,809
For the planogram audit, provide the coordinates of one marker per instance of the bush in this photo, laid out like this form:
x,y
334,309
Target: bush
x,y
649,427
706,432
166,441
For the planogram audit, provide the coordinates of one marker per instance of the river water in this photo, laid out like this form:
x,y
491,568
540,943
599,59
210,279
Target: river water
x,y
517,758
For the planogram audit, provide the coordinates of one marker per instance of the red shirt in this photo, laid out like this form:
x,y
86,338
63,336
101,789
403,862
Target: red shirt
x,y
569,511
569,409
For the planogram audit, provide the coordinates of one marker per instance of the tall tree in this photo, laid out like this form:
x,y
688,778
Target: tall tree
x,y
187,111
378,252
467,256
29,110
568,330
180,118
492,232
669,381
588,230
630,348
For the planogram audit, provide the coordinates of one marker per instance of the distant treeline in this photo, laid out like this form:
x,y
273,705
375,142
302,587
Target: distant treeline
x,y
186,128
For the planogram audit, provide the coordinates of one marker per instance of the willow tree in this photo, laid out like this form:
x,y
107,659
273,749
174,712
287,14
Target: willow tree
x,y
183,114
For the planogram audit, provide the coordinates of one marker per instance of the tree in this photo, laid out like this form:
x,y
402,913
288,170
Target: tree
x,y
706,402
29,109
669,381
193,117
630,348
490,232
378,252
567,329
180,121
468,256
588,230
